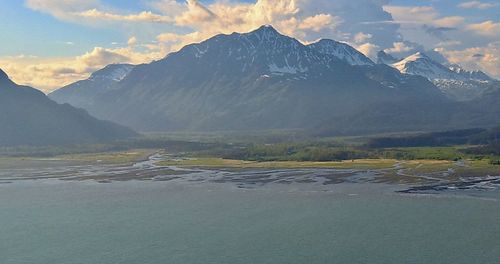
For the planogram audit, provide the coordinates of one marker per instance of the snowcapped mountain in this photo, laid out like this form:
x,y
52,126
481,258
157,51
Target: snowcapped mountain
x,y
264,51
470,75
265,80
455,82
420,64
341,51
83,94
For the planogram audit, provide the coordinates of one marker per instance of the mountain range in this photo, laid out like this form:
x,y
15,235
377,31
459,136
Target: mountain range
x,y
455,82
29,117
266,80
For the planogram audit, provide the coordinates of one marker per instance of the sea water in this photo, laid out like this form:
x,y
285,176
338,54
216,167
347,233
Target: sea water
x,y
52,222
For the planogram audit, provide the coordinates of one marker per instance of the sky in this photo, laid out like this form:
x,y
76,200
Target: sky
x,y
51,43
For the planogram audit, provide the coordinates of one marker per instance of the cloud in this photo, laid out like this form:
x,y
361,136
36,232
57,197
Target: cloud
x,y
101,56
438,32
48,74
423,15
412,14
362,37
370,50
486,28
132,41
450,21
145,16
168,7
195,13
317,22
90,10
477,5
427,27
399,47
486,58
303,19
306,20
62,9
449,43
288,16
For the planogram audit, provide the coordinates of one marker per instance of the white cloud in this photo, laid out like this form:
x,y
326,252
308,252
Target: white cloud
x,y
48,74
318,22
288,16
486,58
91,11
132,41
486,28
424,15
451,21
62,9
412,14
399,47
145,16
362,37
477,5
370,50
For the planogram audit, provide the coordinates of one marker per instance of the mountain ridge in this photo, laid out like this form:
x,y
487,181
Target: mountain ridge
x,y
455,82
342,51
266,80
29,117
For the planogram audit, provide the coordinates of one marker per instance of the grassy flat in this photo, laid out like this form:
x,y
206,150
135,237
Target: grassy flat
x,y
226,163
129,156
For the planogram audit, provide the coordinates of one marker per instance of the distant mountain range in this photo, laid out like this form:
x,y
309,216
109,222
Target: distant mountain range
x,y
265,80
456,83
29,117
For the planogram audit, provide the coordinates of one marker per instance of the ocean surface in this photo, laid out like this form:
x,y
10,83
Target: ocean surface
x,y
148,222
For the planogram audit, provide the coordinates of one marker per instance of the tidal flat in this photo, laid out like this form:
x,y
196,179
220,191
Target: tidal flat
x,y
157,165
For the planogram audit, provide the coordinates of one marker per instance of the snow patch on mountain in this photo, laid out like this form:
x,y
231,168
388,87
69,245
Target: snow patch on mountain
x,y
113,72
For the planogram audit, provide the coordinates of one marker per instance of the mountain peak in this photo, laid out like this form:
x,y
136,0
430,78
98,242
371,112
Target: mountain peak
x,y
417,56
327,41
474,74
342,51
266,28
266,32
385,58
421,64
